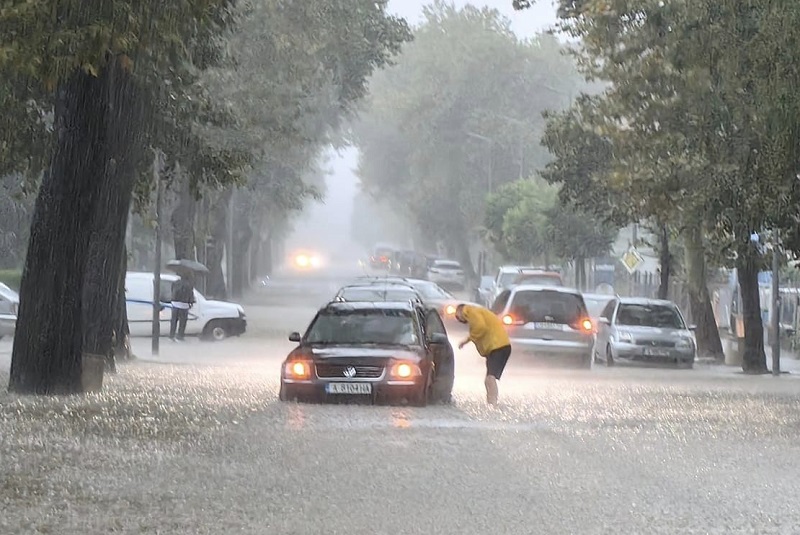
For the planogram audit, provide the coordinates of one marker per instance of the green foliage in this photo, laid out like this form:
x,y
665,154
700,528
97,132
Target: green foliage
x,y
11,278
465,73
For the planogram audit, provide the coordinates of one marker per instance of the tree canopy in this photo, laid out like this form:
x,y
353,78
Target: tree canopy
x,y
458,116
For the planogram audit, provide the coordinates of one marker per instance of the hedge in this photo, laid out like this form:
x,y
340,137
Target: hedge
x,y
11,277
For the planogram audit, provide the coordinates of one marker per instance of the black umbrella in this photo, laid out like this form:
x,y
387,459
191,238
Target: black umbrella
x,y
184,265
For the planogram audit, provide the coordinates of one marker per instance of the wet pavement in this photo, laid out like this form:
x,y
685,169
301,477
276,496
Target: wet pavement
x,y
194,441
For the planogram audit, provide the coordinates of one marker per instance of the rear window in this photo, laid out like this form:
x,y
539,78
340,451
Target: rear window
x,y
660,316
445,264
378,294
547,306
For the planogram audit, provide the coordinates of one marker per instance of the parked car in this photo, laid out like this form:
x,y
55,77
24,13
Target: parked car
x,y
483,293
538,277
211,320
9,306
547,324
447,274
378,351
504,280
642,330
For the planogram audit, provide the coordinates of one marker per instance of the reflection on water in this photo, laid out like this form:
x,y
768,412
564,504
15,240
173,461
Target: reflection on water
x,y
400,419
297,417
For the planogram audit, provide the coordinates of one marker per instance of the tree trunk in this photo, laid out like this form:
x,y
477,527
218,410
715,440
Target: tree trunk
x,y
461,246
754,358
241,247
182,219
106,256
709,344
122,332
47,354
665,263
218,229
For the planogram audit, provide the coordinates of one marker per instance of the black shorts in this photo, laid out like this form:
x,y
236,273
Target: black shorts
x,y
496,361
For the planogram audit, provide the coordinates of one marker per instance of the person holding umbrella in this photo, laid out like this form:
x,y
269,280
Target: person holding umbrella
x,y
491,340
182,301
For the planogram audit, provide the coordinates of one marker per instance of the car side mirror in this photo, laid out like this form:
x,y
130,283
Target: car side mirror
x,y
294,337
439,339
692,327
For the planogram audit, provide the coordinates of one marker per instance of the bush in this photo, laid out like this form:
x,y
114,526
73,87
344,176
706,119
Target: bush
x,y
11,277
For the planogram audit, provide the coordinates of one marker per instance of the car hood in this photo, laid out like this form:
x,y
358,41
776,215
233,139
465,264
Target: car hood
x,y
224,306
653,332
358,351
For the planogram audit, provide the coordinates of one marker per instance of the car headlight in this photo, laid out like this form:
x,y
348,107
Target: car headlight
x,y
624,336
450,310
314,261
405,370
297,369
302,260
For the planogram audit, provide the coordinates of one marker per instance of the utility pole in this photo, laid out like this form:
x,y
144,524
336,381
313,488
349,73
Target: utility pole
x,y
776,306
157,270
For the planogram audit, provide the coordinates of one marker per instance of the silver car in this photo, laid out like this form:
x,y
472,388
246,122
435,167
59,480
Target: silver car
x,y
547,324
9,304
644,331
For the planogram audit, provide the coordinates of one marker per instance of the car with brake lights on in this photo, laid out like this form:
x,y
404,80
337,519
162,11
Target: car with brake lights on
x,y
547,324
645,331
395,352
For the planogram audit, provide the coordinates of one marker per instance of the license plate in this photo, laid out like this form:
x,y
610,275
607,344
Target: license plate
x,y
348,388
548,326
654,352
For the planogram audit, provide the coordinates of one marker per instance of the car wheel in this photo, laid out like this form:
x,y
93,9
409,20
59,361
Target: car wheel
x,y
216,331
442,389
609,357
423,396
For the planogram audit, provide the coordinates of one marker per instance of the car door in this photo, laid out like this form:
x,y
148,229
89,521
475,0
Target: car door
x,y
8,315
604,328
442,354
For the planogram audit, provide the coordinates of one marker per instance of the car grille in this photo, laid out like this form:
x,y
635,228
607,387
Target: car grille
x,y
331,371
655,343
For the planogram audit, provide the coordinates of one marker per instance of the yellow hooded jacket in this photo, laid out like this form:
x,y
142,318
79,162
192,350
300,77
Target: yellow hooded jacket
x,y
486,330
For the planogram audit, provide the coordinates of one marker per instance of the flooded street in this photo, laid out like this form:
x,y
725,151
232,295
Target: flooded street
x,y
196,441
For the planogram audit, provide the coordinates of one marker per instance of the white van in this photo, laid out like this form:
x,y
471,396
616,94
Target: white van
x,y
211,320
9,304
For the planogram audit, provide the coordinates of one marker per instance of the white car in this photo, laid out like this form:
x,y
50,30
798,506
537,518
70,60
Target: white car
x,y
9,304
447,274
212,320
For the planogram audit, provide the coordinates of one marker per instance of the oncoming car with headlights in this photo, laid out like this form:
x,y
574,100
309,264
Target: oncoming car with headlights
x,y
306,260
371,351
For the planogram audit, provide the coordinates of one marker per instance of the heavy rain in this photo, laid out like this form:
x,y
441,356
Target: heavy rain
x,y
399,267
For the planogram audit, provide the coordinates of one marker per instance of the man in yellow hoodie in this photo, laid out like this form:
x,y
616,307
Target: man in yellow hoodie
x,y
491,340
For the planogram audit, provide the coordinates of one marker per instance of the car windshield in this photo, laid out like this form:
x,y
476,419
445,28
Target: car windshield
x,y
547,306
388,327
378,293
595,305
431,290
660,316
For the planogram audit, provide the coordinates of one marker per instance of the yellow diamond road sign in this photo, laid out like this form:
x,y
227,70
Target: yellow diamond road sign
x,y
632,259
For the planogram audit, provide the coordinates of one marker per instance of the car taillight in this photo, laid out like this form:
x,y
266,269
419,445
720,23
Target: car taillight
x,y
384,259
298,369
584,325
508,319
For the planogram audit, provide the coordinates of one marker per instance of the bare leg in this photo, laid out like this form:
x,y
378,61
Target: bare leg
x,y
491,390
